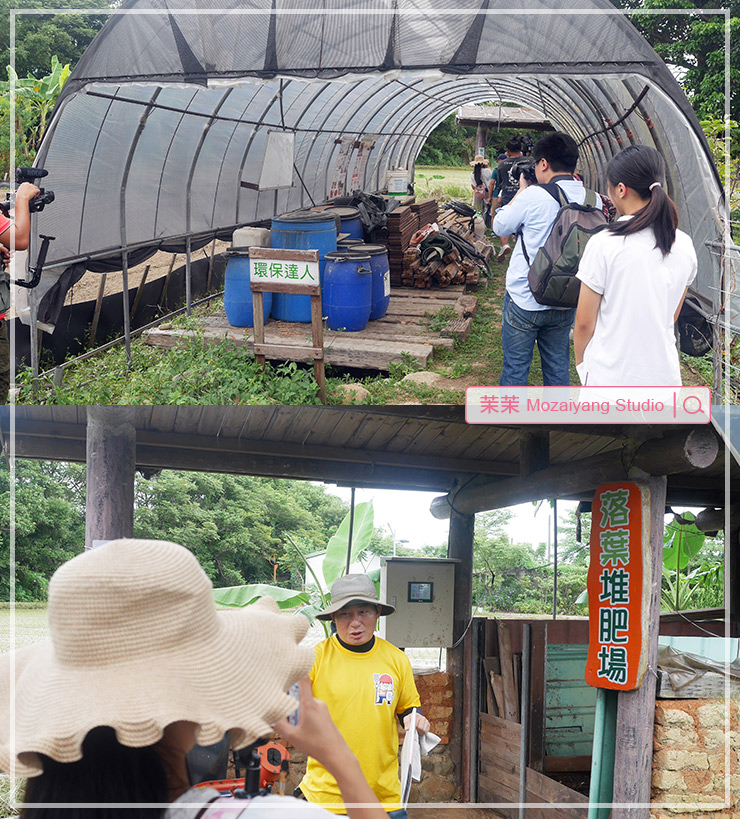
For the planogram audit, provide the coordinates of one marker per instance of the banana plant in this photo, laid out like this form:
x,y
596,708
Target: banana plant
x,y
333,567
682,541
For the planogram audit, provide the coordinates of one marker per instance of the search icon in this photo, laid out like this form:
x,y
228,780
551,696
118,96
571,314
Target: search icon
x,y
690,402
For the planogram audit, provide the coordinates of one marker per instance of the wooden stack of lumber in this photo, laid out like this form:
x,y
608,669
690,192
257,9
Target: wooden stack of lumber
x,y
403,222
427,210
438,273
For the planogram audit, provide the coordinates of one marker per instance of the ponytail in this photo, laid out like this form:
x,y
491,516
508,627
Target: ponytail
x,y
643,169
478,174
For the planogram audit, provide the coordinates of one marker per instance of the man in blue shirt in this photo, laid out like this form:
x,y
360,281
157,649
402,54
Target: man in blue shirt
x,y
531,214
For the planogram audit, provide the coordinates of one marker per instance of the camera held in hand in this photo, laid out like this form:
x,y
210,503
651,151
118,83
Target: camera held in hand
x,y
38,203
525,167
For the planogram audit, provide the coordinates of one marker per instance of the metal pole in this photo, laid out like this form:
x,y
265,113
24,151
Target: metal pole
x,y
524,734
188,283
126,309
555,560
351,525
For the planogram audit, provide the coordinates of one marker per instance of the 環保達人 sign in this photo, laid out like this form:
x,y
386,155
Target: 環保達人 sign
x,y
619,580
277,266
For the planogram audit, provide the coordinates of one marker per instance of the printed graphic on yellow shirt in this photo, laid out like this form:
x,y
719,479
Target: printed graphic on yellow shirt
x,y
383,689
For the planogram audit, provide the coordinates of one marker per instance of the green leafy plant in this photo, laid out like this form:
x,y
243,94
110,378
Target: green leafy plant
x,y
441,318
682,542
333,567
34,100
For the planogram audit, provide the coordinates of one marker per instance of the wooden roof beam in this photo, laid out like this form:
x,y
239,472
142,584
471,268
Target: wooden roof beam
x,y
696,449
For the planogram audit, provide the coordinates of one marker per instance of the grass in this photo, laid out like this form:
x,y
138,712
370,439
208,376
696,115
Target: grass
x,y
224,374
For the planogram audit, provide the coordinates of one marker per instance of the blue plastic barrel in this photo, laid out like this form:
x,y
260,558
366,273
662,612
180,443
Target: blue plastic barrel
x,y
348,288
301,230
237,293
350,222
380,268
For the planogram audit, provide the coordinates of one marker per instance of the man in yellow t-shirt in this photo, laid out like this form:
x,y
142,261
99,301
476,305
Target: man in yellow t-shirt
x,y
368,684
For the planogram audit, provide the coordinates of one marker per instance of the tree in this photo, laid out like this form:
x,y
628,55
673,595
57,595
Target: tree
x,y
39,37
237,526
49,523
695,44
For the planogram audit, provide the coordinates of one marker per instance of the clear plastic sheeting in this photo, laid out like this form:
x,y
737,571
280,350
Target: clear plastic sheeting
x,y
684,668
161,132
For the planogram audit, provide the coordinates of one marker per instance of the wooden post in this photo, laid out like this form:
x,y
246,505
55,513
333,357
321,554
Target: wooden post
x,y
258,311
262,349
210,266
96,314
139,289
163,298
636,709
534,451
480,138
460,547
111,466
317,337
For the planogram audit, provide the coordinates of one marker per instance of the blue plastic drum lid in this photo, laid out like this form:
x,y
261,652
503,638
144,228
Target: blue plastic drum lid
x,y
381,295
347,291
350,221
301,230
237,291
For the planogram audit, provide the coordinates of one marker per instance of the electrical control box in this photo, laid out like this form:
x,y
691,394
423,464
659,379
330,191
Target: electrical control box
x,y
423,592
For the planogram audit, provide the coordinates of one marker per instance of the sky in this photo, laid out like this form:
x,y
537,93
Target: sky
x,y
406,516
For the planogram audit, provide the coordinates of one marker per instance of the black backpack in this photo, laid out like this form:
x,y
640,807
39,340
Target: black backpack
x,y
552,272
508,186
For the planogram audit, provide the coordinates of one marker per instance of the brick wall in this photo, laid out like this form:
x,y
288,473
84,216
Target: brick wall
x,y
435,691
689,758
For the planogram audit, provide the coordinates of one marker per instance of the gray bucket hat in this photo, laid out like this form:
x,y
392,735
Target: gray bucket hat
x,y
353,588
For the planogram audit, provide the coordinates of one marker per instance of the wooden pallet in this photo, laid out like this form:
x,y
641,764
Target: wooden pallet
x,y
402,332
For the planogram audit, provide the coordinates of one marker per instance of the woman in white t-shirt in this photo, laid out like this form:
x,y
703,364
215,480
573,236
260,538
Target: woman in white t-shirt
x,y
634,277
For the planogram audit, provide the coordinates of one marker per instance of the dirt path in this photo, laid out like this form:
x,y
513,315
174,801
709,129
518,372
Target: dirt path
x,y
454,811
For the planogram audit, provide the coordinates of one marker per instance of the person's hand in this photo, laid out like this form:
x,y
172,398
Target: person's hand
x,y
422,723
4,255
523,183
27,191
315,734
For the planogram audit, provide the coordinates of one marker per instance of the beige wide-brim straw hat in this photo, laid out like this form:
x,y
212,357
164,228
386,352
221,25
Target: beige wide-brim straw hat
x,y
479,160
138,643
351,589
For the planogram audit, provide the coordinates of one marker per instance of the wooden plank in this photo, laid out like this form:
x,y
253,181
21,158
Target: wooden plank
x,y
499,750
497,683
451,293
559,764
281,253
511,697
285,287
537,695
502,727
339,351
391,328
459,328
636,709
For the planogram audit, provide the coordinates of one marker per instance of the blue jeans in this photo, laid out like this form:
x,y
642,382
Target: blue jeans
x,y
398,814
519,331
